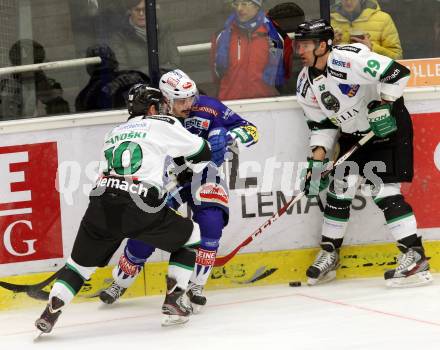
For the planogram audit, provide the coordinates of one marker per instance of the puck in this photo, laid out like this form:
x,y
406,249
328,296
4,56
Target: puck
x,y
295,284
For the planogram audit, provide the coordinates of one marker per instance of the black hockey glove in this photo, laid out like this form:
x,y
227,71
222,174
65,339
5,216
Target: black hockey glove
x,y
180,173
184,176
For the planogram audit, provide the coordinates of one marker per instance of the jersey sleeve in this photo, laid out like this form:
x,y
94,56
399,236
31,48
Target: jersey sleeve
x,y
242,131
322,131
179,142
357,64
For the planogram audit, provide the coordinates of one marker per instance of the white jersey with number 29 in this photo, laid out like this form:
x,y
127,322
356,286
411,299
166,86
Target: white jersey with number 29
x,y
338,98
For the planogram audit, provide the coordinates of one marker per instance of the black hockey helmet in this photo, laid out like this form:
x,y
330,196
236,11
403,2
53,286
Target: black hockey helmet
x,y
141,97
315,29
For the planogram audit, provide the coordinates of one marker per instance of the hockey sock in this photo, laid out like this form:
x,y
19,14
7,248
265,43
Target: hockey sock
x,y
399,216
211,221
205,259
181,266
336,215
131,262
70,281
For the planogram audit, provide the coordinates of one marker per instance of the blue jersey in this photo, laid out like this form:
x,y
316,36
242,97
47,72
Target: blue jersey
x,y
208,113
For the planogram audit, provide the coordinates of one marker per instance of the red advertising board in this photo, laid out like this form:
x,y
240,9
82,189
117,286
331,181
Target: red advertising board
x,y
424,192
30,218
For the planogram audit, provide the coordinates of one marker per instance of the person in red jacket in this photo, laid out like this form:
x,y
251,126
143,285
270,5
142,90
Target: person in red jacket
x,y
248,54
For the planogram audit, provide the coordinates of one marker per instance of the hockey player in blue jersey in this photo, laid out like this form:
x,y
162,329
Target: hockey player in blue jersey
x,y
207,195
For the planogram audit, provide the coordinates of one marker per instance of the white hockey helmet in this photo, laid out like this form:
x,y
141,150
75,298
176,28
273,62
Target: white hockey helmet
x,y
176,85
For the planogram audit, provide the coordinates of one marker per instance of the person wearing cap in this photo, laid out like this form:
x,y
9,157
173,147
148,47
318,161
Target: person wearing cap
x,y
30,94
248,53
363,21
286,16
108,86
346,92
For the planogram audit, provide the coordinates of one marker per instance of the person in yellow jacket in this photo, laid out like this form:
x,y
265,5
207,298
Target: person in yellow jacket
x,y
362,21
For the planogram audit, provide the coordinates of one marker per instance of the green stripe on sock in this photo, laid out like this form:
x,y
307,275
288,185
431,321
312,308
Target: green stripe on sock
x,y
331,194
192,244
335,219
400,218
67,285
73,268
378,200
191,268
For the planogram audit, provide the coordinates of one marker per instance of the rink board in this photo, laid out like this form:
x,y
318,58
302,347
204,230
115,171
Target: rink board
x,y
244,270
41,206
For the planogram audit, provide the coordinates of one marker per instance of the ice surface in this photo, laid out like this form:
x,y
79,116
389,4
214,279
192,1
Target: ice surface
x,y
345,314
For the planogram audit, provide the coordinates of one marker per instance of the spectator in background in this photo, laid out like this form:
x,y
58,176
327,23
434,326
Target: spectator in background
x,y
130,42
362,21
287,16
248,54
29,94
108,87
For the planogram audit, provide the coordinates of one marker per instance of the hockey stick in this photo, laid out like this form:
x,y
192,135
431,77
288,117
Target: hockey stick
x,y
222,260
33,290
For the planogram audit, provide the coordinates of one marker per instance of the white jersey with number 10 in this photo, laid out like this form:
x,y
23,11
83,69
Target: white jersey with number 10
x,y
138,148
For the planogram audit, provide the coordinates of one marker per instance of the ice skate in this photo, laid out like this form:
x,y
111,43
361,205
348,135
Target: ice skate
x,y
194,293
176,308
50,315
112,293
412,269
325,265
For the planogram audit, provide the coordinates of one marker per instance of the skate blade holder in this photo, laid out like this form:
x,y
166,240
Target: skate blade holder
x,y
330,276
172,320
418,279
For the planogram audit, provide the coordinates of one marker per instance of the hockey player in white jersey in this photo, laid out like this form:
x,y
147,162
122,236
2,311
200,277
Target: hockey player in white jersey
x,y
346,91
207,196
128,201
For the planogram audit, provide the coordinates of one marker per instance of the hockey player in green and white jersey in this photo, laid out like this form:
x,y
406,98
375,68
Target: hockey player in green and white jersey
x,y
128,201
346,91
